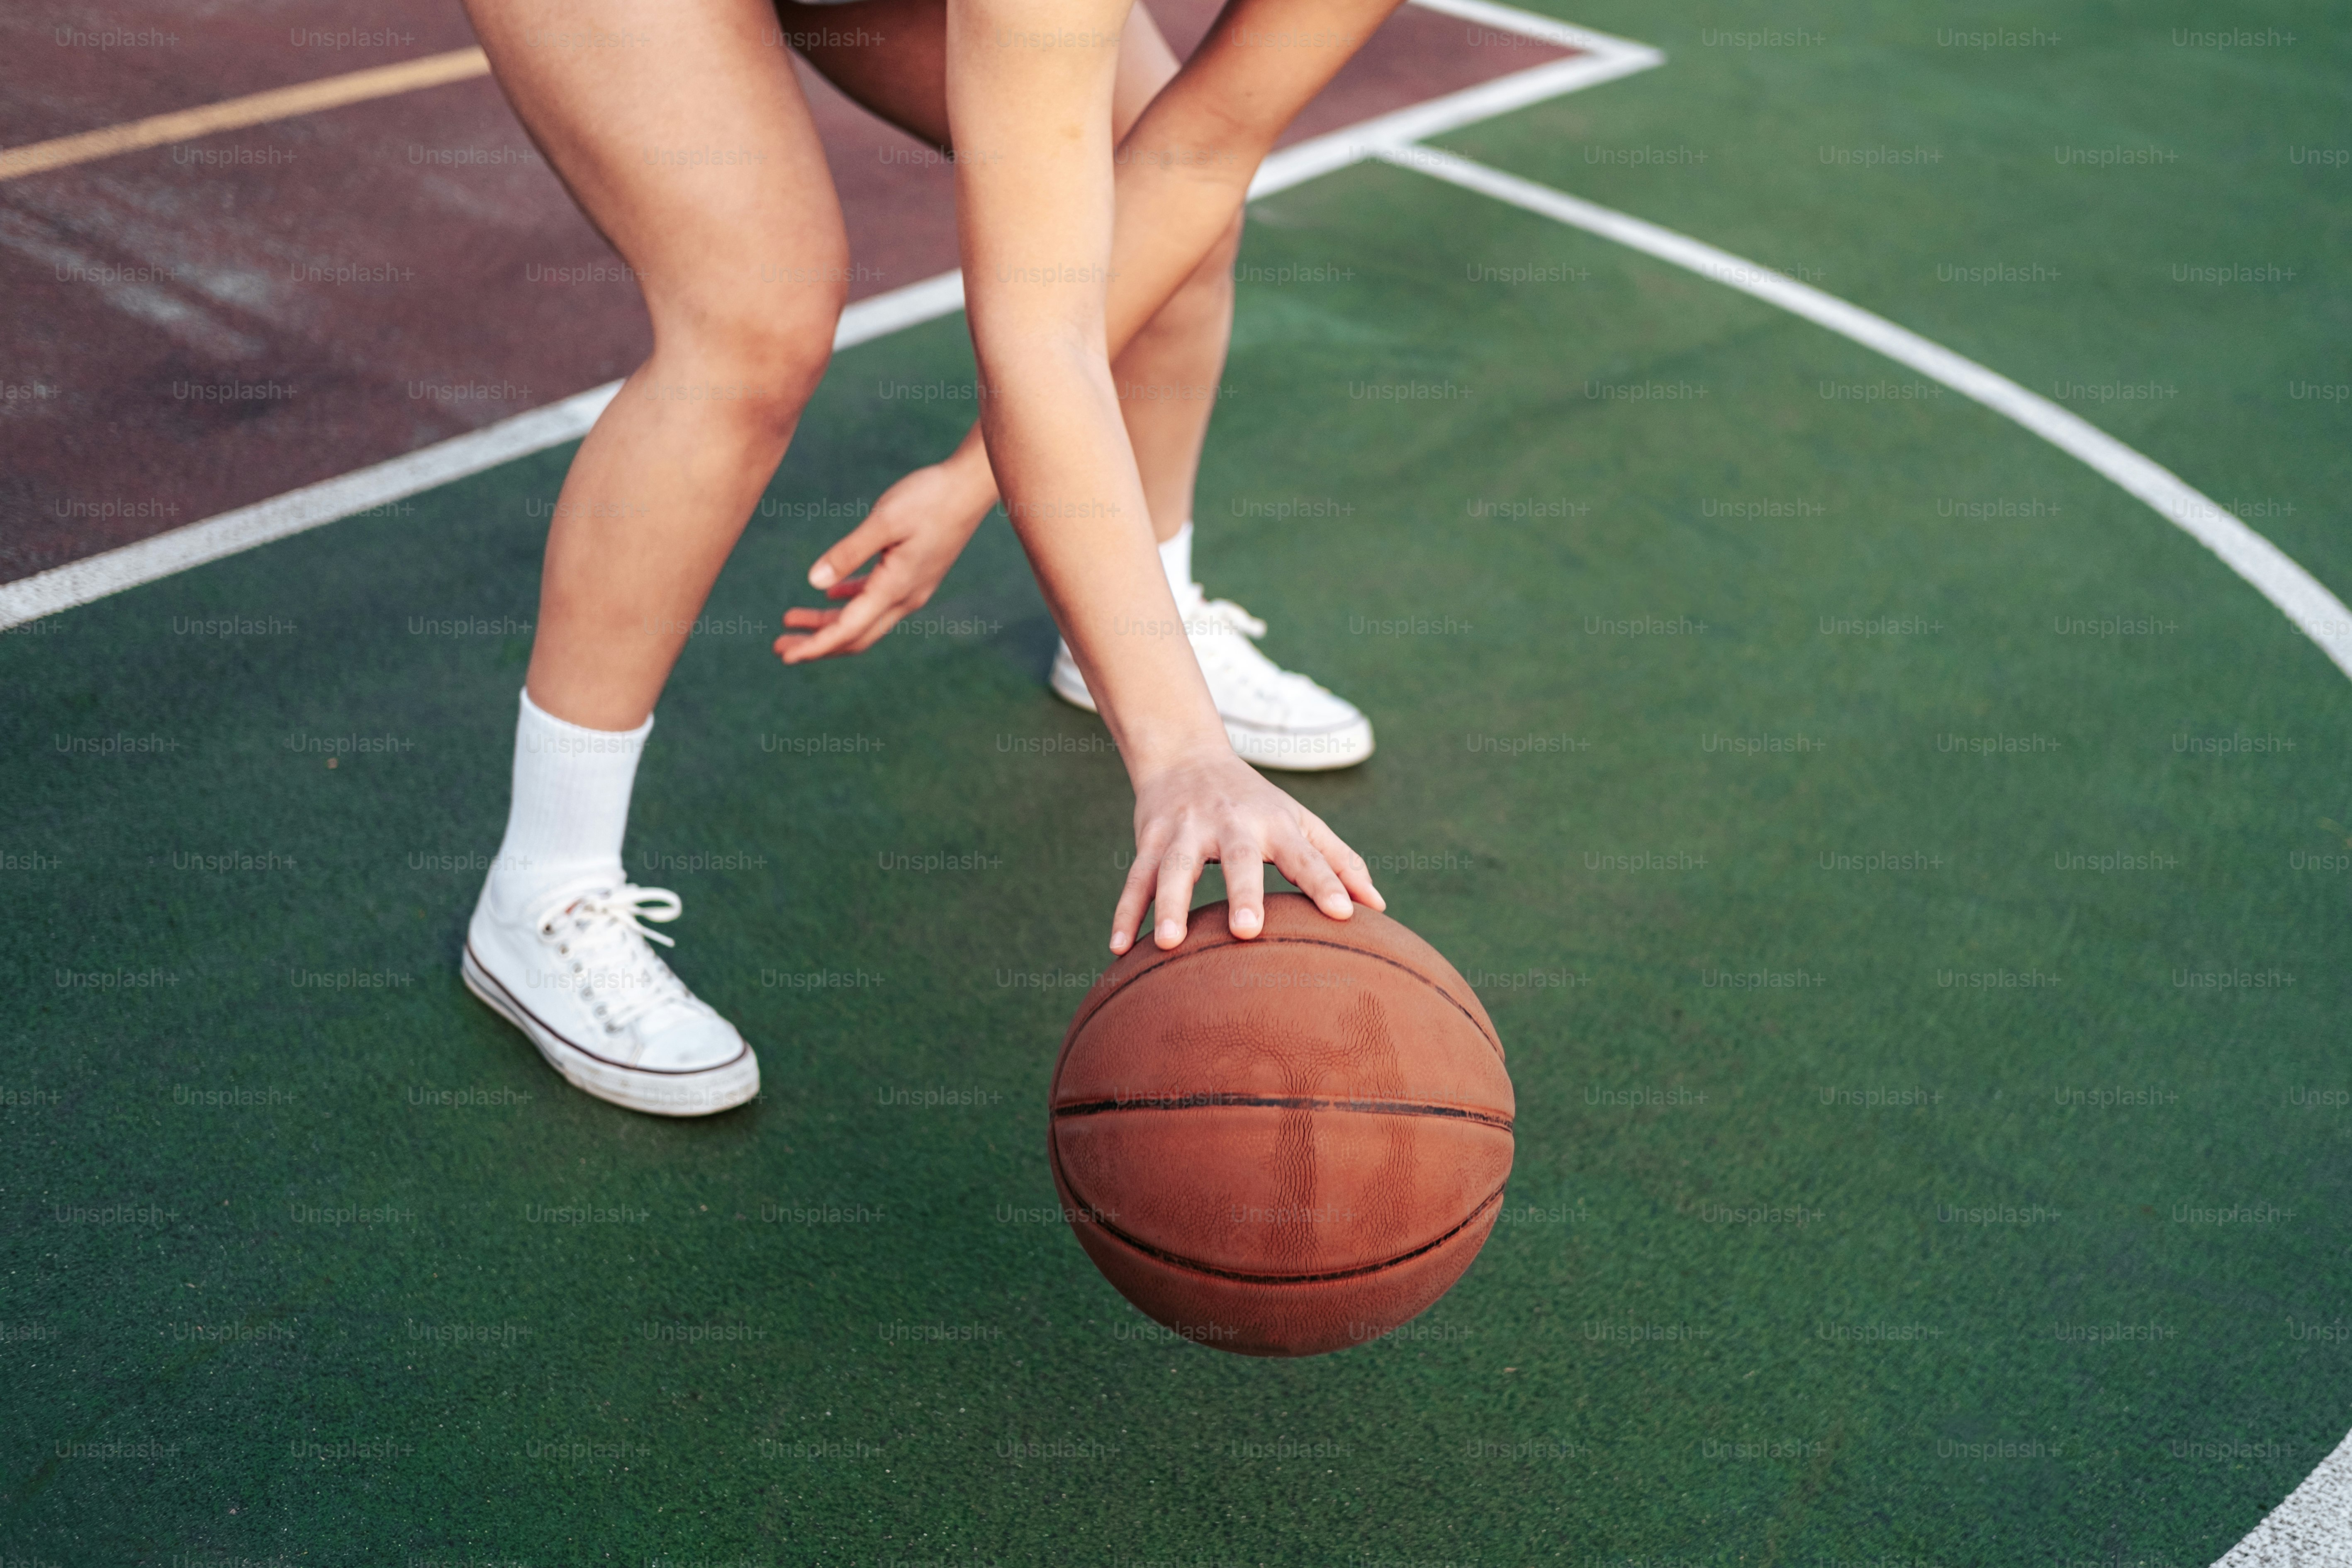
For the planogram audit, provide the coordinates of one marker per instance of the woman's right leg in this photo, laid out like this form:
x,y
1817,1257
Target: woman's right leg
x,y
682,133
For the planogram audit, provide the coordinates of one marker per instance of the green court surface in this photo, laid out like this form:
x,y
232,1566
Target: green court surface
x,y
1907,872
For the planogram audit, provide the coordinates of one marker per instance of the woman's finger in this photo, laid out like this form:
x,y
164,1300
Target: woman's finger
x,y
846,624
1244,889
1312,875
1180,870
1132,897
902,597
1353,873
878,532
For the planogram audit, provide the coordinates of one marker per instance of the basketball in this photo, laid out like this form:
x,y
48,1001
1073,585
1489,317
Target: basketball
x,y
1287,1145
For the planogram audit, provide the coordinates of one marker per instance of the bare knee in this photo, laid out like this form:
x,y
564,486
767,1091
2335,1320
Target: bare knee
x,y
753,348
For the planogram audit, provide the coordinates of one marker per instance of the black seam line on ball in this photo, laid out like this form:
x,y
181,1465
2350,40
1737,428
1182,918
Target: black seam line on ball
x,y
1280,1102
1094,1218
1301,941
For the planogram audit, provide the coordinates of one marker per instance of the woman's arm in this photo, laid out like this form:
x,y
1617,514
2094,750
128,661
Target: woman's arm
x,y
1182,175
1029,92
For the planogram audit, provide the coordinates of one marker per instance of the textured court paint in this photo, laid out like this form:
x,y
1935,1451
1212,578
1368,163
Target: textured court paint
x,y
80,581
2315,1520
1593,1446
2312,1529
497,271
1594,1443
2317,613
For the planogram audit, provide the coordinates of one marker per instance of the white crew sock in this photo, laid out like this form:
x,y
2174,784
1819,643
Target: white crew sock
x,y
1176,555
570,809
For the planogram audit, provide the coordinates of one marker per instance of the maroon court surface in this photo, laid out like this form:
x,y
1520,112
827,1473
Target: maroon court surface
x,y
193,328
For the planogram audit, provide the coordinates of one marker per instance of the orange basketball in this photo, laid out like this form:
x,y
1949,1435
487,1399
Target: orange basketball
x,y
1287,1145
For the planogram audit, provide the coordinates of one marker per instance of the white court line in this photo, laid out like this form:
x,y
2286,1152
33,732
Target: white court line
x,y
2312,1527
1604,59
379,484
94,577
2319,613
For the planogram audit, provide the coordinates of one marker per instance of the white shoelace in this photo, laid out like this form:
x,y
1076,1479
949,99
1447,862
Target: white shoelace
x,y
1223,611
1234,660
606,947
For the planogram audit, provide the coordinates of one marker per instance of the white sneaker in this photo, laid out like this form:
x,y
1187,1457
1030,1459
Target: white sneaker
x,y
1274,717
602,1007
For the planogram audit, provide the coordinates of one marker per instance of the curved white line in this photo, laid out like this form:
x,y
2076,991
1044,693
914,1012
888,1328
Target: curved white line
x,y
2313,1525
2317,613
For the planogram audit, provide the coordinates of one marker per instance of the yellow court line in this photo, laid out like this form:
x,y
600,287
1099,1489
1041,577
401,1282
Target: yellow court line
x,y
254,109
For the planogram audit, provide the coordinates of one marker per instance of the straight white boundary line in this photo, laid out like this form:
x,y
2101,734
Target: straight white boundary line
x,y
94,577
2313,1526
363,489
2312,1529
1604,59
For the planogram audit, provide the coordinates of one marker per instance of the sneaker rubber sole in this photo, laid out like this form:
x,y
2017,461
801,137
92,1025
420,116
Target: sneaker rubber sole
x,y
705,1092
1288,751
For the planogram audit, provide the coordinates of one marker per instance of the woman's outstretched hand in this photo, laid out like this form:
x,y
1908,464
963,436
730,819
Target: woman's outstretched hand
x,y
918,528
1210,806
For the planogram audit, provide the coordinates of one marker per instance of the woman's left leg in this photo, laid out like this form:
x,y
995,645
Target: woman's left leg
x,y
888,54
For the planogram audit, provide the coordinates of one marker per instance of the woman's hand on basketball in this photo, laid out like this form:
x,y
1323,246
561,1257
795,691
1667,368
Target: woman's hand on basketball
x,y
918,528
1219,808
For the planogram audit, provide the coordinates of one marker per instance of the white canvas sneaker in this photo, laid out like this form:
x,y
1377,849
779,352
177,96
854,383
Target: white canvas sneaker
x,y
1274,717
578,977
